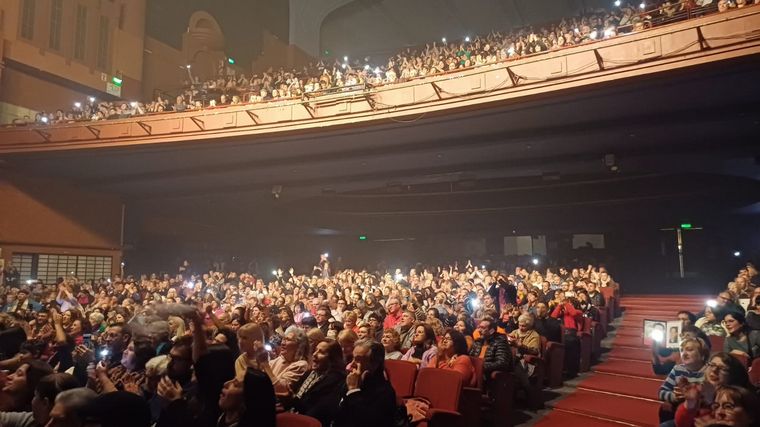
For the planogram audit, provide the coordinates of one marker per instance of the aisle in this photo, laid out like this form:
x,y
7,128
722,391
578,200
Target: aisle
x,y
622,389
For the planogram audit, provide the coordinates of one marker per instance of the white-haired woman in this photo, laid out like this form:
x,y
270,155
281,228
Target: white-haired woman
x,y
290,365
527,342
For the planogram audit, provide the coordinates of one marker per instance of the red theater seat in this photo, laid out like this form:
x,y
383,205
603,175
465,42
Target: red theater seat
x,y
402,375
287,419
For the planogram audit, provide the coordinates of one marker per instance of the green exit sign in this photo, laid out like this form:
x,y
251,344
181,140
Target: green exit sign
x,y
686,226
362,237
117,81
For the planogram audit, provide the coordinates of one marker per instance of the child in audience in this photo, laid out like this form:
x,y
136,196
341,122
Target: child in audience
x,y
252,350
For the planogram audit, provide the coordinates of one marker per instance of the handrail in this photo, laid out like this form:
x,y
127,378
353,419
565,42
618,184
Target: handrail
x,y
514,73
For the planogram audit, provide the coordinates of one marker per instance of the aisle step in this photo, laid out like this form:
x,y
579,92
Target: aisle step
x,y
623,409
645,388
642,354
561,418
630,368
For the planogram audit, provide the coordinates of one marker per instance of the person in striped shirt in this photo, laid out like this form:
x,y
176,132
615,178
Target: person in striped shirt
x,y
694,353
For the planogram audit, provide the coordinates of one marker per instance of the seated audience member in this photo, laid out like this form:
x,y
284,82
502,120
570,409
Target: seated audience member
x,y
347,339
664,358
130,375
547,326
405,329
250,402
44,398
691,369
753,311
252,351
526,342
492,348
463,328
20,385
423,346
452,355
71,406
391,344
369,399
726,303
722,370
596,297
292,362
732,406
740,340
710,324
317,393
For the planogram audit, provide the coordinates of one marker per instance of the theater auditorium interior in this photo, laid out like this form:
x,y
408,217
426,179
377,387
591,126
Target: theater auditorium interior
x,y
390,213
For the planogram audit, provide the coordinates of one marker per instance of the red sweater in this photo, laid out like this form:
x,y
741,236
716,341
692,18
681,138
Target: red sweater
x,y
571,318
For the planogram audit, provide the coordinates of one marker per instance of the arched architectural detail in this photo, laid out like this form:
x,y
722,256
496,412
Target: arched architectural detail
x,y
306,18
204,29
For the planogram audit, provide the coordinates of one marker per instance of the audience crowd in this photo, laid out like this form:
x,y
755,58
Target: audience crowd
x,y
222,348
231,88
708,381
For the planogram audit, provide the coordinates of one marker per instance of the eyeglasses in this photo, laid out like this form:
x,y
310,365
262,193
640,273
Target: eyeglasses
x,y
446,339
721,369
726,406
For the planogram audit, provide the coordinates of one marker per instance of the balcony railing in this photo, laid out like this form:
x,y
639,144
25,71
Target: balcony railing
x,y
715,37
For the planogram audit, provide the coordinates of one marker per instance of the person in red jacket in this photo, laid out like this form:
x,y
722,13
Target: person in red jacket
x,y
571,316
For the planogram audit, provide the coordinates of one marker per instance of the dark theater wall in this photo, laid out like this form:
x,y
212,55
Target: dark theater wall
x,y
46,216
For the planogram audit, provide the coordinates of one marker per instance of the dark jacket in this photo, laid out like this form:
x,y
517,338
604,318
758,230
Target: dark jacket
x,y
322,399
597,299
498,355
549,328
374,405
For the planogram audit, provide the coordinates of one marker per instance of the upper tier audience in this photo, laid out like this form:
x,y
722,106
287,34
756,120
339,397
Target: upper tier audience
x,y
324,76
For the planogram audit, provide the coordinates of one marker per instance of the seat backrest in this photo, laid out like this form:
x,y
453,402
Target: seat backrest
x,y
401,375
716,343
477,364
544,345
288,419
754,372
441,387
587,324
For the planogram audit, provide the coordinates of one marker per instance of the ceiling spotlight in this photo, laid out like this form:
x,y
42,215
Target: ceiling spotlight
x,y
737,254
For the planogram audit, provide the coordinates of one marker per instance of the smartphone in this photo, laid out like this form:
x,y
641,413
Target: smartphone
x,y
87,340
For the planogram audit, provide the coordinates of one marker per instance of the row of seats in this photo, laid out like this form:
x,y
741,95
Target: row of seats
x,y
454,405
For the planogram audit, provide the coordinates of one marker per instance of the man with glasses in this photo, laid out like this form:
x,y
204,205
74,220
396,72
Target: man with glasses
x,y
393,307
